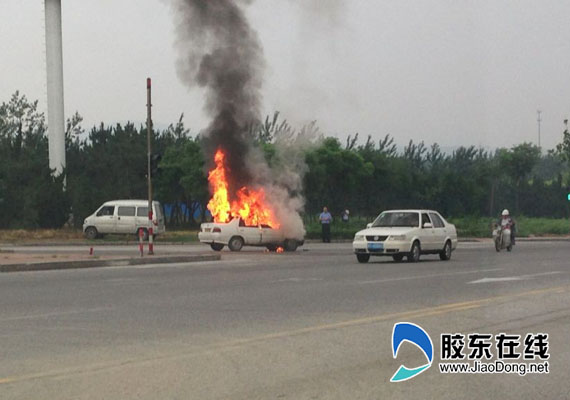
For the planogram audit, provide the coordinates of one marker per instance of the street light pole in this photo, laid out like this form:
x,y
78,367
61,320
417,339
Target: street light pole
x,y
149,155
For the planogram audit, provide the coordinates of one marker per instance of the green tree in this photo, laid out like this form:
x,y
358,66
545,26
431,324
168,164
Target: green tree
x,y
30,196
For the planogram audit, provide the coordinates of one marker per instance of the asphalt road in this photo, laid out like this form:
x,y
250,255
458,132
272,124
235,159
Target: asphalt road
x,y
310,325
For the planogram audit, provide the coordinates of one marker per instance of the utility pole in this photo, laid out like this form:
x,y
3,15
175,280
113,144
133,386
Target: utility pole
x,y
54,74
149,155
538,120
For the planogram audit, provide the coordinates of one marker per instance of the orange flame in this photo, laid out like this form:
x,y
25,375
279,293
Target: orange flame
x,y
250,204
280,249
219,205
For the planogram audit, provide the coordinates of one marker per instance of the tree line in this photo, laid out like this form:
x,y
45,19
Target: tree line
x,y
365,176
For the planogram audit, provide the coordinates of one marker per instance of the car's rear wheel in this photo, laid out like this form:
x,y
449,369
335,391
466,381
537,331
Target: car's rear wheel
x,y
398,257
414,255
235,243
363,258
290,245
217,246
445,254
91,232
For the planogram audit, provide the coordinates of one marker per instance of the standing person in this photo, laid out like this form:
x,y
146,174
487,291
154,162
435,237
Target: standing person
x,y
345,215
326,218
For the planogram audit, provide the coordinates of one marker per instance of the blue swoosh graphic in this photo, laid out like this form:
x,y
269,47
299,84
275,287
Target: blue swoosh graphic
x,y
409,332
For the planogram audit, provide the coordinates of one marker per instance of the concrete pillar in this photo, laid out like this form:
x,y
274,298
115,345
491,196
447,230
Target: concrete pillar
x,y
54,58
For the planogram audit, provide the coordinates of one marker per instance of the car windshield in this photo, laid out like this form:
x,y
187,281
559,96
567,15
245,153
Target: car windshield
x,y
391,219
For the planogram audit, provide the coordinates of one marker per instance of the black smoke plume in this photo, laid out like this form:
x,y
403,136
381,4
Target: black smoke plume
x,y
222,54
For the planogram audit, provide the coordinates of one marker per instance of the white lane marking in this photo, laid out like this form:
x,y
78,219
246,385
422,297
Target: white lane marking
x,y
53,314
294,279
429,276
515,278
237,262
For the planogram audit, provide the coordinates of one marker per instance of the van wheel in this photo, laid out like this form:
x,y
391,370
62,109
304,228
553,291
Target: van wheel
x,y
271,247
236,243
217,246
91,233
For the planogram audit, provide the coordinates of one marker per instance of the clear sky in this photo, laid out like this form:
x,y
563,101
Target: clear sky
x,y
454,72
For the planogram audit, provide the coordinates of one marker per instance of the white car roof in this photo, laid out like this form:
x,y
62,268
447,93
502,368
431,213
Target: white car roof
x,y
414,210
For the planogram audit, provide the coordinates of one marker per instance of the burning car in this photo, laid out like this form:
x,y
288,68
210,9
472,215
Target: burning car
x,y
244,217
236,234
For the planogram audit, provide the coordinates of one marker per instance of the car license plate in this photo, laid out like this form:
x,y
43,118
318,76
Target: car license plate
x,y
375,246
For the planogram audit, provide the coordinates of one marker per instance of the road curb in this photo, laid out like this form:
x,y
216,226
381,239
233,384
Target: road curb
x,y
48,266
95,244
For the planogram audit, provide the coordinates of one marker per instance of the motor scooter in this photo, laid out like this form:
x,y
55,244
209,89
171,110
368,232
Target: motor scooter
x,y
502,237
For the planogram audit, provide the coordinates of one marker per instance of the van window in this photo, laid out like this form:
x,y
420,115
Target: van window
x,y
126,211
142,212
107,210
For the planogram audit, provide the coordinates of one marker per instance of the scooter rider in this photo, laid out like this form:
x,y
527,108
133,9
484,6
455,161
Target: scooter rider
x,y
507,222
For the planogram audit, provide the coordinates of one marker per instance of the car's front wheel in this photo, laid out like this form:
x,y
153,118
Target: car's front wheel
x,y
217,246
363,258
414,255
445,254
236,243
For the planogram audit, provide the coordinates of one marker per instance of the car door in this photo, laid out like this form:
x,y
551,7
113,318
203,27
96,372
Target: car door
x,y
270,235
126,219
141,220
427,234
250,234
440,232
105,219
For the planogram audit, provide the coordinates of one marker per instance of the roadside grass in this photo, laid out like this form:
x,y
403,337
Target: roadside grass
x,y
339,229
17,235
76,235
478,227
178,236
526,226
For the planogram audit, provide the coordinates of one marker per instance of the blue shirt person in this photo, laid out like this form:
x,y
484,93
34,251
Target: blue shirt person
x,y
326,218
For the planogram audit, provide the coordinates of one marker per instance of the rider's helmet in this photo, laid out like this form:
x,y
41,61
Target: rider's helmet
x,y
505,213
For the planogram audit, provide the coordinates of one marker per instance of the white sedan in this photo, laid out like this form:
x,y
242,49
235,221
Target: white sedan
x,y
410,233
235,234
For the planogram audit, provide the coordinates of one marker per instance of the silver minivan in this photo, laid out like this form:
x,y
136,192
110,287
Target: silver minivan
x,y
123,216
